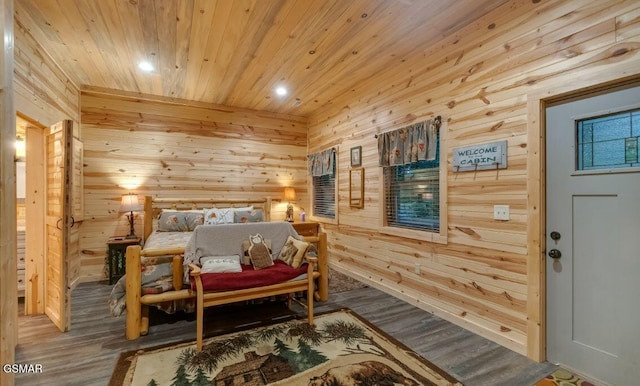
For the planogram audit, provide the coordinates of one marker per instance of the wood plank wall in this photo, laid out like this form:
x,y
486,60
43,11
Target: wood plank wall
x,y
42,92
478,80
20,247
8,289
43,95
171,148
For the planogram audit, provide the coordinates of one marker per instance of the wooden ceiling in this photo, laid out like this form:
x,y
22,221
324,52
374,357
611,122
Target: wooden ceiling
x,y
237,52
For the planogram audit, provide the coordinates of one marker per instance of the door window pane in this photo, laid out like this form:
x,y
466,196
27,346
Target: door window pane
x,y
609,141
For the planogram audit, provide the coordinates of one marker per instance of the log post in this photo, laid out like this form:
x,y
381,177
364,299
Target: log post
x,y
133,292
323,268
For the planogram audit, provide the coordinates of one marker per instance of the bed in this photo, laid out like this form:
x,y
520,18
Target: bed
x,y
158,274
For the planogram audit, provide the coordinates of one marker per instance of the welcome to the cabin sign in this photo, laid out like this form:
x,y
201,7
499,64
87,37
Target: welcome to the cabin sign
x,y
480,157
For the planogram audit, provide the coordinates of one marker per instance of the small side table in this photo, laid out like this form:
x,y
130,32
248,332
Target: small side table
x,y
116,256
306,228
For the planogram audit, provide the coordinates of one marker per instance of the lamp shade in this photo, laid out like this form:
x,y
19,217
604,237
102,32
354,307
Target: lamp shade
x,y
130,203
289,194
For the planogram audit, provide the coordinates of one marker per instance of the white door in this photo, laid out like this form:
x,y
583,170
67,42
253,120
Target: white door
x,y
593,283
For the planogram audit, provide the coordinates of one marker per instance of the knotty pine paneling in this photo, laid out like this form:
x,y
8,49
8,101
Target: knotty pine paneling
x,y
8,264
43,95
42,92
170,148
479,81
235,52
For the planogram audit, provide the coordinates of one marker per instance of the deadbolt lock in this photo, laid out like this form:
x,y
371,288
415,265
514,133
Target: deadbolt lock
x,y
555,254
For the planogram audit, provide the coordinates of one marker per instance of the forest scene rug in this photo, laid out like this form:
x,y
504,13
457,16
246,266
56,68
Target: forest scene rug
x,y
341,349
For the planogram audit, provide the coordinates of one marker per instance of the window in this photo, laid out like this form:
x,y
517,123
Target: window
x,y
414,186
324,196
608,142
323,174
412,195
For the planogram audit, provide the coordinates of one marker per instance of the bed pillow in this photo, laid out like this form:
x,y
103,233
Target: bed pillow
x,y
179,221
242,216
217,216
194,219
293,251
259,252
173,222
220,264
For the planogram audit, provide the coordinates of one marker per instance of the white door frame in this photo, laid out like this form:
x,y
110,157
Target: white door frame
x,y
536,188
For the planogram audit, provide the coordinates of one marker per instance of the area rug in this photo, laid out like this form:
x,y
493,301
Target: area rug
x,y
562,377
342,349
339,282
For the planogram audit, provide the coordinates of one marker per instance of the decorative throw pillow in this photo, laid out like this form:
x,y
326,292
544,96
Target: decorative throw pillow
x,y
246,260
259,252
294,259
288,252
242,216
217,216
220,264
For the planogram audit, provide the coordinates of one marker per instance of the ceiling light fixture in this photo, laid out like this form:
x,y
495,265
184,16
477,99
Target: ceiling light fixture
x,y
281,91
145,66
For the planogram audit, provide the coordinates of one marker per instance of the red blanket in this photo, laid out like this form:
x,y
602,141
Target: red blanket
x,y
279,272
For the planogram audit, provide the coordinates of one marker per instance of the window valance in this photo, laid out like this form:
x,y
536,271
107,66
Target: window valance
x,y
322,163
413,143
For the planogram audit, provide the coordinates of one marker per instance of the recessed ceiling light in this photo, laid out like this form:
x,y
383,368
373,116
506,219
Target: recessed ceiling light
x,y
281,91
145,66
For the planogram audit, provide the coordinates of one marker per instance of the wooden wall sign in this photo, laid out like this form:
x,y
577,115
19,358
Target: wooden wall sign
x,y
480,157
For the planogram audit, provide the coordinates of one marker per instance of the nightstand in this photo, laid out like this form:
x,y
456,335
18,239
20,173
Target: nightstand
x,y
309,228
116,256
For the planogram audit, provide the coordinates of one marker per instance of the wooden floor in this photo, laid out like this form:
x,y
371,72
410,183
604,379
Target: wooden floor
x,y
88,353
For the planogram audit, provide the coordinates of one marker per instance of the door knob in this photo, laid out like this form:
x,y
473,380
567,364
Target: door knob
x,y
555,254
555,236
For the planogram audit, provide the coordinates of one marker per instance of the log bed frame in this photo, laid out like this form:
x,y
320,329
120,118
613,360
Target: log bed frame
x,y
137,305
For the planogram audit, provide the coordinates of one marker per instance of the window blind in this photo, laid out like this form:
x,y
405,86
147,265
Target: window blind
x,y
412,196
324,196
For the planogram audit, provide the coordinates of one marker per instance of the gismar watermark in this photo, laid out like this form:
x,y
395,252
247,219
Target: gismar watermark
x,y
22,368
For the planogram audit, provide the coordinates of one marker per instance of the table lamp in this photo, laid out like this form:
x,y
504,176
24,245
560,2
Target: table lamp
x,y
130,204
289,195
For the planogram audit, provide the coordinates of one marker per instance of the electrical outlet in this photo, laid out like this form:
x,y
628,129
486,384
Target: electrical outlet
x,y
416,268
501,212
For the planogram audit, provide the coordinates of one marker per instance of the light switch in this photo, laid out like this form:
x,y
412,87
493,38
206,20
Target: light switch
x,y
501,212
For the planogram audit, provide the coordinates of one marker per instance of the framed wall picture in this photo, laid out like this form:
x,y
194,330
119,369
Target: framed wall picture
x,y
356,156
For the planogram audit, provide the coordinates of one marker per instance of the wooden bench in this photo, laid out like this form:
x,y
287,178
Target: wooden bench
x,y
208,299
137,312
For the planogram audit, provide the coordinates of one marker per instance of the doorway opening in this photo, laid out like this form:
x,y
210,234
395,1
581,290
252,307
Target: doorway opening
x,y
31,200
